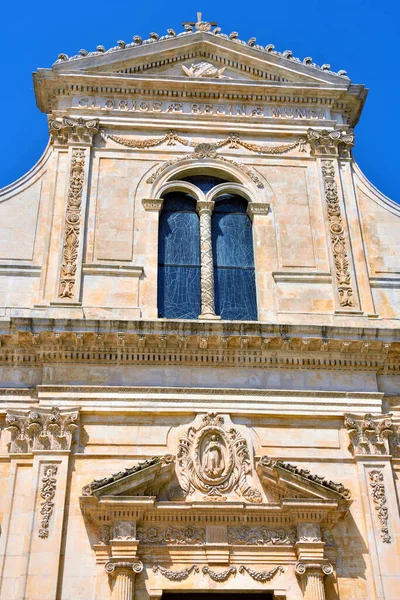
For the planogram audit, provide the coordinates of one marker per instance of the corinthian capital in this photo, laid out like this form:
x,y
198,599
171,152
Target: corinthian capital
x,y
370,435
41,429
69,131
330,143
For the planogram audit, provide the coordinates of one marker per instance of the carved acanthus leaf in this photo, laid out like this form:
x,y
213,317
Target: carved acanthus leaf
x,y
69,130
370,435
336,142
41,429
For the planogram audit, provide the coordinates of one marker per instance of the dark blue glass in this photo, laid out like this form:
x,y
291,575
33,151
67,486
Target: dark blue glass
x,y
204,182
234,277
179,259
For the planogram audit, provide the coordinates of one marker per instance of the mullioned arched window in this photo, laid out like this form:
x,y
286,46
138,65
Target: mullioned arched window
x,y
180,256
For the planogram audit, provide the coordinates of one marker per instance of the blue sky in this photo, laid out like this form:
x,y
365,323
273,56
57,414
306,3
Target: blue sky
x,y
355,35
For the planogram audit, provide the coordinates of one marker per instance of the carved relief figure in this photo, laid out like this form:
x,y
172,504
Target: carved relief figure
x,y
213,457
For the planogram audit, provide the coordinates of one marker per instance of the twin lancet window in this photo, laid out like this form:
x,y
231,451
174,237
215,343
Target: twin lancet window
x,y
205,256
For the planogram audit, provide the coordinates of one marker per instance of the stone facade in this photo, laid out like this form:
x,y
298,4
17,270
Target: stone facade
x,y
141,455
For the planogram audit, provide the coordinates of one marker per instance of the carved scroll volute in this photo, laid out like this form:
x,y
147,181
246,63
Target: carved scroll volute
x,y
78,134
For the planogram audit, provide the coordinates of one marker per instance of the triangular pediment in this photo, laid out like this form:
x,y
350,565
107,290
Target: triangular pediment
x,y
164,57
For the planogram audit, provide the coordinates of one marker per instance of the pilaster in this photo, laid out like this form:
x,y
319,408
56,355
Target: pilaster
x,y
327,147
265,258
77,135
30,544
148,248
371,445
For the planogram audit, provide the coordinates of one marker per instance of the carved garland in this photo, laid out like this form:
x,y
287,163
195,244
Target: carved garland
x,y
378,494
233,140
336,228
223,576
175,575
261,576
67,287
47,492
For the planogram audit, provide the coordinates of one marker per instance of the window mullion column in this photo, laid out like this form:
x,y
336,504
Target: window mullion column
x,y
205,209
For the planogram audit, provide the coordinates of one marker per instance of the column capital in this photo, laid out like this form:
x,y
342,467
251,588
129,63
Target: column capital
x,y
370,435
43,430
134,566
305,568
204,207
73,131
153,204
336,143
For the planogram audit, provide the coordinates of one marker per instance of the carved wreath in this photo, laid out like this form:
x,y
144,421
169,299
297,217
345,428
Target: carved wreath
x,y
215,461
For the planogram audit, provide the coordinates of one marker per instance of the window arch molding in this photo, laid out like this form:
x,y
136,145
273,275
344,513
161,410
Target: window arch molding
x,y
181,186
217,168
229,188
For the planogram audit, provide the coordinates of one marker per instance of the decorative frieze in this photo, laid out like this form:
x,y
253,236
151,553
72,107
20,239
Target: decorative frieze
x,y
378,494
214,459
175,575
337,234
41,429
73,131
47,492
370,435
261,536
72,226
261,576
221,576
172,536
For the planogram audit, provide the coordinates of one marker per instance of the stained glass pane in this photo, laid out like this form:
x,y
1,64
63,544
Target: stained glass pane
x,y
235,294
179,259
234,277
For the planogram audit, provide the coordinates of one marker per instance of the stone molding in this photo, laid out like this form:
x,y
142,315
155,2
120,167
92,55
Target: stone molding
x,y
41,429
73,131
370,435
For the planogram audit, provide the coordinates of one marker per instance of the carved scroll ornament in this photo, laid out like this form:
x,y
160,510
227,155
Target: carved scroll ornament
x,y
47,492
72,227
215,461
377,484
261,536
172,535
73,130
338,240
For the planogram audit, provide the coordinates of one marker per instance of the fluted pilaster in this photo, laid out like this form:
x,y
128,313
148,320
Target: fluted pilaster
x,y
123,575
312,579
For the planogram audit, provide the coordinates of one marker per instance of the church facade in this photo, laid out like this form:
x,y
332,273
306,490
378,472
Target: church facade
x,y
199,334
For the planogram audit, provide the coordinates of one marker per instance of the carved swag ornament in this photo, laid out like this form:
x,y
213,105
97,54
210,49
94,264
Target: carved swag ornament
x,y
216,461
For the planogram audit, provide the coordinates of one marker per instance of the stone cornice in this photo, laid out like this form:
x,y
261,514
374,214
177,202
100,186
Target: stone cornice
x,y
39,341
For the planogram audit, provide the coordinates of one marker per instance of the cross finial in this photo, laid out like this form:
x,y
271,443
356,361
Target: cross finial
x,y
200,24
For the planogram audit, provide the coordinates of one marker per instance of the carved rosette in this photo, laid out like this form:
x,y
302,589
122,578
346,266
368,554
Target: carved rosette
x,y
207,268
35,429
370,435
47,492
378,493
72,227
337,234
216,461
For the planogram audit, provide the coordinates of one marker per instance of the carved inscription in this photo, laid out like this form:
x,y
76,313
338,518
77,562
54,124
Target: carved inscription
x,y
213,109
